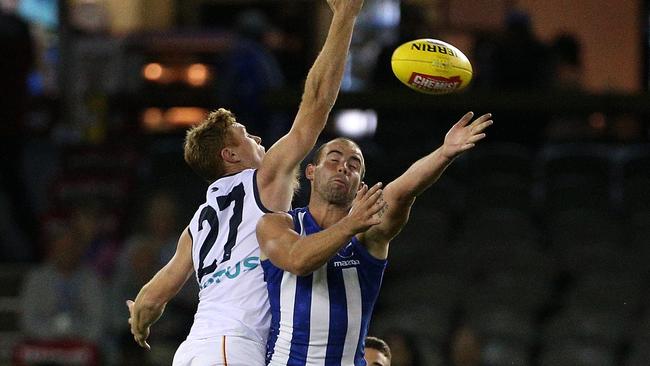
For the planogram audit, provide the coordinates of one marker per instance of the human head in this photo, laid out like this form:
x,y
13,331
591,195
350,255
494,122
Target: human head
x,y
377,352
220,143
336,171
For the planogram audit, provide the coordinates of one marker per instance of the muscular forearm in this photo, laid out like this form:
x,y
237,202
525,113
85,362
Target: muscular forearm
x,y
419,176
148,307
310,252
152,298
324,78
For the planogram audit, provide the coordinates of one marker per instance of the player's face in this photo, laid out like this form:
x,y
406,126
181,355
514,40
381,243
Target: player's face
x,y
338,173
375,358
249,147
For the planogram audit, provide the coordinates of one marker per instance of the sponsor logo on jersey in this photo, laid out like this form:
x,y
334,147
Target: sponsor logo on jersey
x,y
429,82
230,273
347,263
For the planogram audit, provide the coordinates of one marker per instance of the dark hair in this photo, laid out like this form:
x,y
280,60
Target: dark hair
x,y
379,345
203,144
318,154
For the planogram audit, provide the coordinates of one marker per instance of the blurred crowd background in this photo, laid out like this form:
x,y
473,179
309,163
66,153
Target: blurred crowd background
x,y
531,250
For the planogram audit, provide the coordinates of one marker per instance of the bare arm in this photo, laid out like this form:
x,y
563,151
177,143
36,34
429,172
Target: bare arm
x,y
301,255
154,296
276,175
401,193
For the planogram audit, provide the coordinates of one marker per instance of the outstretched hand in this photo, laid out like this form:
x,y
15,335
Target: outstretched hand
x,y
464,135
367,208
353,7
140,336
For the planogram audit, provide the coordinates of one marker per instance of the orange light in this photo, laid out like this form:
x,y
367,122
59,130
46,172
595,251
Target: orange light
x,y
152,71
153,118
597,121
197,74
185,116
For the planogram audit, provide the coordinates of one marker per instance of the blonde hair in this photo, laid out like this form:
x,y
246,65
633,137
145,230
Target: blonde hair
x,y
204,142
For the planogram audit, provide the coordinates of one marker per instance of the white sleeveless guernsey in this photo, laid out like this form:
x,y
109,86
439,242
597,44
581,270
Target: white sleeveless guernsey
x,y
233,299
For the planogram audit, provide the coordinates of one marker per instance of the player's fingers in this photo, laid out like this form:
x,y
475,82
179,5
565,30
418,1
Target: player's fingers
x,y
464,120
376,221
147,346
376,208
371,199
476,138
374,189
482,126
467,146
361,192
482,119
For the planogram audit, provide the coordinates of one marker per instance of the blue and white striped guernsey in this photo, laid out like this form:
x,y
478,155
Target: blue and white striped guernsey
x,y
322,318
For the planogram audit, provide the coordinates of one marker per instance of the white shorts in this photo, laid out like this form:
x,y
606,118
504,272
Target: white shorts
x,y
220,351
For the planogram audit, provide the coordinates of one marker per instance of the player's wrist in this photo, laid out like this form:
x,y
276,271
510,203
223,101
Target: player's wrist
x,y
448,153
348,226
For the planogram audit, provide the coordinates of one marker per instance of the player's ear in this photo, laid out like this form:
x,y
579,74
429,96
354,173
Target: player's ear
x,y
229,155
309,171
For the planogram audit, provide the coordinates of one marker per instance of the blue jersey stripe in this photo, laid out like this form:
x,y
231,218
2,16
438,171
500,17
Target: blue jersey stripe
x,y
370,278
301,312
273,278
338,318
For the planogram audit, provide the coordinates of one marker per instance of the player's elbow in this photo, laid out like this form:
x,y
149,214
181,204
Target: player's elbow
x,y
299,267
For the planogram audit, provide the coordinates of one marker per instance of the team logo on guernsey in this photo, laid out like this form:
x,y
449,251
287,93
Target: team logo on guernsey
x,y
345,253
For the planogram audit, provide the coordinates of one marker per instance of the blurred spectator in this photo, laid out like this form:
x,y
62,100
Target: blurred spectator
x,y
250,71
517,61
484,50
144,253
566,57
377,352
63,299
520,60
404,349
91,224
567,78
17,45
464,348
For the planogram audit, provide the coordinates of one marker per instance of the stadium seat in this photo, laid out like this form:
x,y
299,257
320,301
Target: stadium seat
x,y
584,226
504,353
591,326
574,176
577,354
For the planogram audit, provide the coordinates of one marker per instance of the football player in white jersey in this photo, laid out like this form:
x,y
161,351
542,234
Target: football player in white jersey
x,y
219,245
324,263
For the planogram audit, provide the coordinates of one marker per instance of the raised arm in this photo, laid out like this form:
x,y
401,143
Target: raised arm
x,y
154,296
301,255
401,193
277,173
